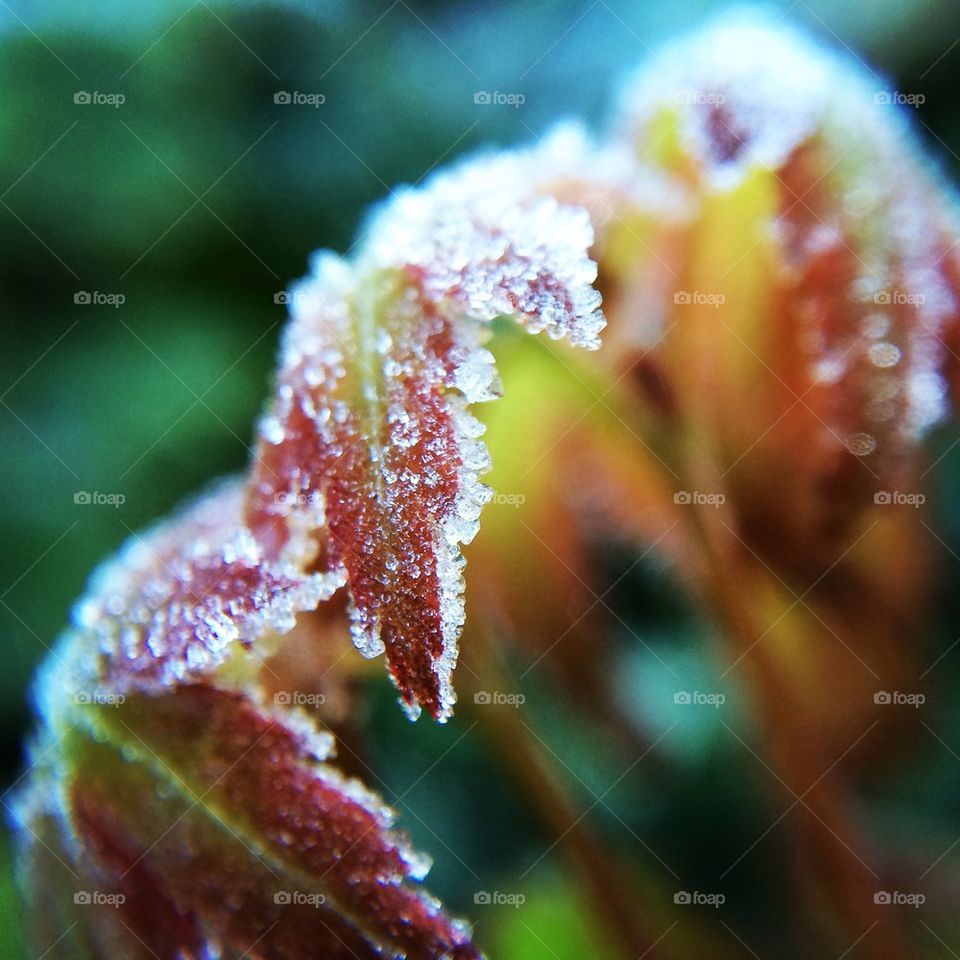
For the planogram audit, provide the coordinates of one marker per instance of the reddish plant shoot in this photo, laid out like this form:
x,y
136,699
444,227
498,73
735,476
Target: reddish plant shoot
x,y
745,173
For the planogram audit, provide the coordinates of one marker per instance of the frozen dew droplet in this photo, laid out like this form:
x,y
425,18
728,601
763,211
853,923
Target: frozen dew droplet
x,y
883,355
861,444
271,430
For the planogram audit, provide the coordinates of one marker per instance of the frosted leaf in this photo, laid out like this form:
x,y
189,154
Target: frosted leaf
x,y
181,599
218,821
862,234
189,790
380,361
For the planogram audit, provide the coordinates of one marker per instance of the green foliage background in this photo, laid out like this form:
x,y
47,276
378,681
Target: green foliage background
x,y
198,200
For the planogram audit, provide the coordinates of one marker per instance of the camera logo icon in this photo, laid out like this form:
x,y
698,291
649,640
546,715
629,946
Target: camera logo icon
x,y
482,97
682,696
682,898
82,96
282,96
882,896
482,897
482,697
82,297
282,697
281,297
882,696
82,497
82,897
883,297
282,897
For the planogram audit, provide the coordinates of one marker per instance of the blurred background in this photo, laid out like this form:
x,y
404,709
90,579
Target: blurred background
x,y
155,201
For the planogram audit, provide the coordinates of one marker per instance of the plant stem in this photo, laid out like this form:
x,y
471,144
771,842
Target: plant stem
x,y
829,865
612,894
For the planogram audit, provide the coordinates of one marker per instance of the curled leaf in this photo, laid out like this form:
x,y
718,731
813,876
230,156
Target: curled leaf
x,y
369,460
226,814
166,775
196,592
804,309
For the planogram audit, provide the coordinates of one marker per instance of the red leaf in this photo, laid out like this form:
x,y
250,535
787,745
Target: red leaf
x,y
196,591
368,460
225,815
